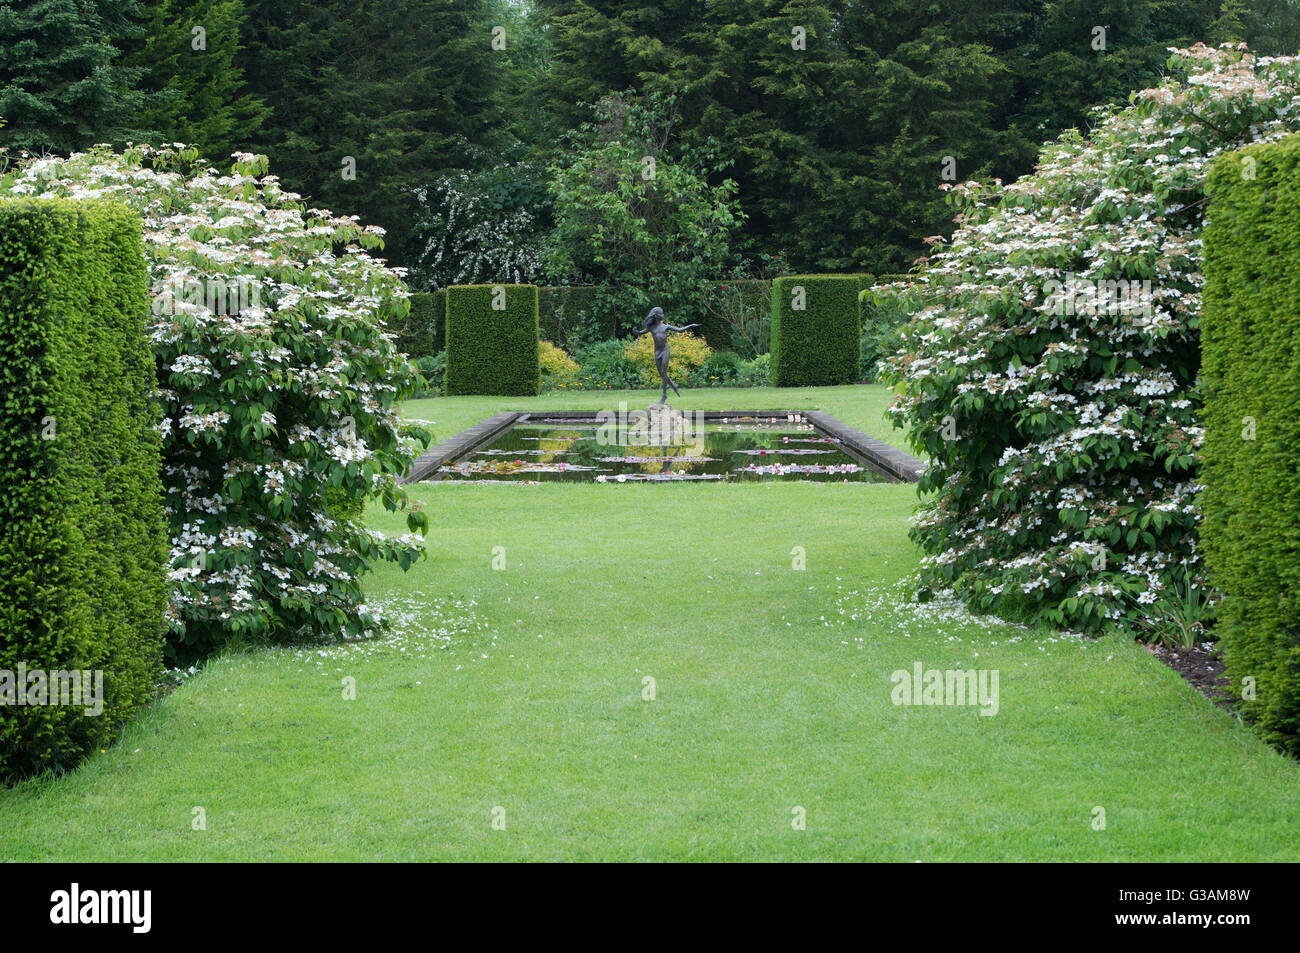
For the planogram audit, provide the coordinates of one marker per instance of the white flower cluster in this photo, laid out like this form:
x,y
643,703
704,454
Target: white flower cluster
x,y
278,406
1050,367
466,238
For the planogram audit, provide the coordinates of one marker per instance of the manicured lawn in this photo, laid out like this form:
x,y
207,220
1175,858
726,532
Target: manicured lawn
x,y
522,688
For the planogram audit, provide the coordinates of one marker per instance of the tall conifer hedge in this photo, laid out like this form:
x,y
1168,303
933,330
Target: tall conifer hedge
x,y
83,543
1250,341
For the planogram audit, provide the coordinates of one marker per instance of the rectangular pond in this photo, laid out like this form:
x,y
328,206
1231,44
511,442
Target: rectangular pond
x,y
693,448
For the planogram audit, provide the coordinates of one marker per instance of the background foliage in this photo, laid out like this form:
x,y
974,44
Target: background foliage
x,y
422,331
836,149
637,216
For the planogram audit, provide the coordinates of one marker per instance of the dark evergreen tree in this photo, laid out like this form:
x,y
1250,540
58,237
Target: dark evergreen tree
x,y
838,116
372,98
194,89
63,85
843,117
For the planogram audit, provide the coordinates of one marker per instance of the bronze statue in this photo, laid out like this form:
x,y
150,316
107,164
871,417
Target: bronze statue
x,y
658,329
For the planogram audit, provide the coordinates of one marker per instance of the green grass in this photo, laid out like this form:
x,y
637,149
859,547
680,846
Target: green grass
x,y
772,692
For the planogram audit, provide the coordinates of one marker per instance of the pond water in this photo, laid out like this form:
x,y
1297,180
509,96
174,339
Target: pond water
x,y
573,451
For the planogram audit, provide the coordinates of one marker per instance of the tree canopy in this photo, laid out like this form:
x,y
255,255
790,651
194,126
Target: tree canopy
x,y
838,120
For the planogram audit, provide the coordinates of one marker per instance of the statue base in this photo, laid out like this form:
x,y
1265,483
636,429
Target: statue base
x,y
665,423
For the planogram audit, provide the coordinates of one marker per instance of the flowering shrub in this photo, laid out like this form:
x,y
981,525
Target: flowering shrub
x,y
1050,372
279,402
554,362
468,231
686,352
882,318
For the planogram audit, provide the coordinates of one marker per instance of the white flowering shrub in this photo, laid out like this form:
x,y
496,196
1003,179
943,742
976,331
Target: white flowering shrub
x,y
279,390
1050,369
467,231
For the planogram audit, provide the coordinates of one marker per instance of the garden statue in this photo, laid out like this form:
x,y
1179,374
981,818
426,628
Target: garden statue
x,y
658,329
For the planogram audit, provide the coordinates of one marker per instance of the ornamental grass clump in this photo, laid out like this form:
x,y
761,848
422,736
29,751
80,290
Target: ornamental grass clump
x,y
279,390
1050,370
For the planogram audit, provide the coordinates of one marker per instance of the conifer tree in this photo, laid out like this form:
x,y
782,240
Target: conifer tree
x,y
63,85
195,90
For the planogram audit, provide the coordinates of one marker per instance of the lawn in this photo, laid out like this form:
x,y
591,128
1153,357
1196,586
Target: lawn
x,y
523,689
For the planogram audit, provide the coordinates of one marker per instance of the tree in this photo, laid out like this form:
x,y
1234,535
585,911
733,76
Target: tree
x,y
62,83
842,118
837,116
635,213
196,92
375,98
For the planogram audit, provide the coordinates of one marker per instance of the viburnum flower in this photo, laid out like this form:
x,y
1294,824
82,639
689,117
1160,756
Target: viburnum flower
x,y
1049,372
278,390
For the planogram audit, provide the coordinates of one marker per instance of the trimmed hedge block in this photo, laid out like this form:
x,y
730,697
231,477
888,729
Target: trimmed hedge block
x,y
815,330
492,340
83,542
1250,343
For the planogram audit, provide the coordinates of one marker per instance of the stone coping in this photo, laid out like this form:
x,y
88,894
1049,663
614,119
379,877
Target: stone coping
x,y
464,443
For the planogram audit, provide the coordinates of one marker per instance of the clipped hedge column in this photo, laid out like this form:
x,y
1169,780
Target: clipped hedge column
x,y
492,340
815,330
1250,340
83,543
